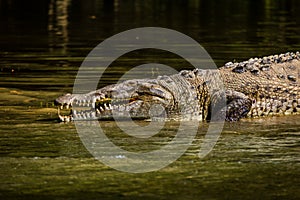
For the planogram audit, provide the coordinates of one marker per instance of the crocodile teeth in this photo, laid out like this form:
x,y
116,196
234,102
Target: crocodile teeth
x,y
97,111
65,118
79,116
61,118
87,115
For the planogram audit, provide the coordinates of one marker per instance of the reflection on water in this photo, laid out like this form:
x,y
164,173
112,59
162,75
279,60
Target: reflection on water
x,y
228,29
42,46
58,24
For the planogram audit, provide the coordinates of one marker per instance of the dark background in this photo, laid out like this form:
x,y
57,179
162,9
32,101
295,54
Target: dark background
x,y
228,29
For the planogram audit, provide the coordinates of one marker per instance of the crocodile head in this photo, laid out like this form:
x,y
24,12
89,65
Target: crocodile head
x,y
137,98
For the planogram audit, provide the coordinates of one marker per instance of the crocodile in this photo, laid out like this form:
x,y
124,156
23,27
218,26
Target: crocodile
x,y
266,86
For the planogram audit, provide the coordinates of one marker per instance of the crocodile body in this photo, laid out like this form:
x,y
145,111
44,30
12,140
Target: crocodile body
x,y
267,86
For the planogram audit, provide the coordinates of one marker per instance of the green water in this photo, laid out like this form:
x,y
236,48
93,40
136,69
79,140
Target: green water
x,y
44,159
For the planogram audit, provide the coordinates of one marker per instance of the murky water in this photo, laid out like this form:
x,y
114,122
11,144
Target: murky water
x,y
40,56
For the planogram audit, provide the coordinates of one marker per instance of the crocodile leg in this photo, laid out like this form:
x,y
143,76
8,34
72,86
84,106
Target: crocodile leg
x,y
237,106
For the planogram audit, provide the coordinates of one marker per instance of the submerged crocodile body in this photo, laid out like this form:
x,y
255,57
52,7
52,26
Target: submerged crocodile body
x,y
267,86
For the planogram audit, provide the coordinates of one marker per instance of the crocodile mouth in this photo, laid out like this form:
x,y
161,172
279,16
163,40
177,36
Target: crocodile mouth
x,y
133,99
94,109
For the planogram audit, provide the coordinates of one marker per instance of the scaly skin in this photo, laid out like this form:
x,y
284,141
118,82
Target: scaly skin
x,y
272,83
267,86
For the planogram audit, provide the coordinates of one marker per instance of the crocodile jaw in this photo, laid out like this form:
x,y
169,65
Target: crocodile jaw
x,y
80,109
131,99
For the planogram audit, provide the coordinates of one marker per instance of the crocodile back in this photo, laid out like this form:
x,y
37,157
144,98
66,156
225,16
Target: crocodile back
x,y
271,82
